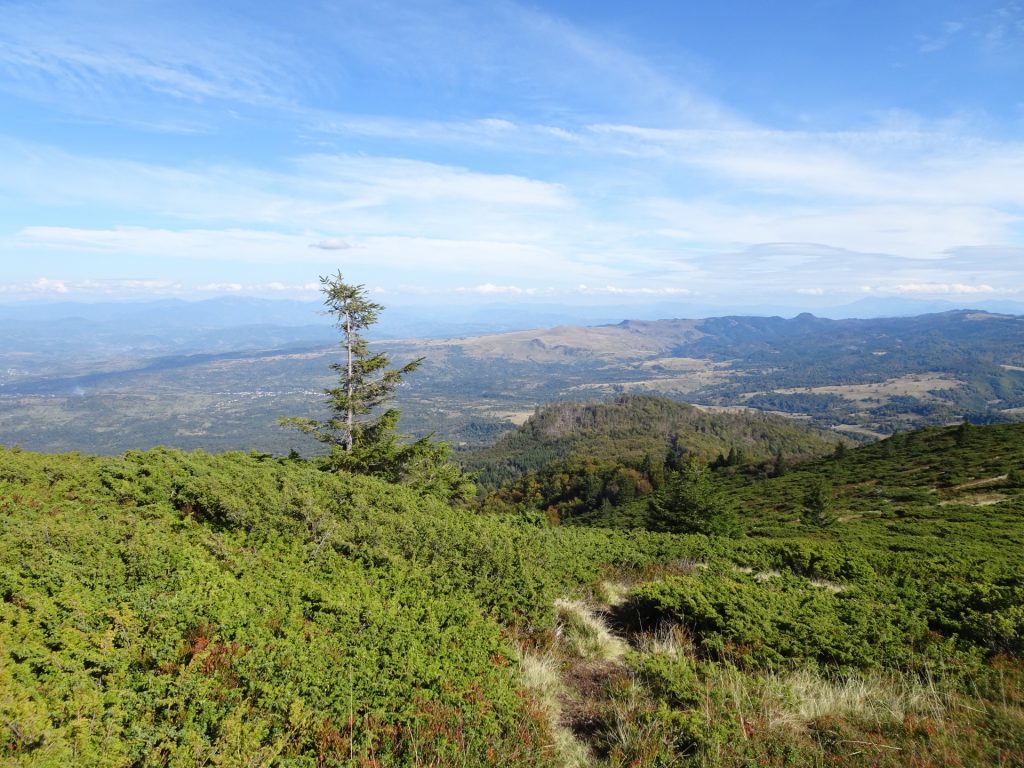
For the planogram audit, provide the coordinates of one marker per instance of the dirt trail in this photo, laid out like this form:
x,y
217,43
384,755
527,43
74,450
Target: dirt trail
x,y
979,483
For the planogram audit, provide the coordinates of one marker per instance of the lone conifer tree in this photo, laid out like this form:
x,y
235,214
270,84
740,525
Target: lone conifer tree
x,y
818,500
361,430
691,503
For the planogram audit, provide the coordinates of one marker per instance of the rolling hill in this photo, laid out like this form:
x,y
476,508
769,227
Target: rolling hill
x,y
631,427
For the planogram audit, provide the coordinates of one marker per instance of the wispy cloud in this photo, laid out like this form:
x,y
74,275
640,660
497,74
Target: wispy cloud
x,y
908,231
933,167
941,39
559,69
67,288
101,54
490,289
220,288
85,289
990,257
315,191
252,246
331,244
497,146
1004,31
378,257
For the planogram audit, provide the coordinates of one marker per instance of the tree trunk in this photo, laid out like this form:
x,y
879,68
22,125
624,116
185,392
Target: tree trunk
x,y
350,415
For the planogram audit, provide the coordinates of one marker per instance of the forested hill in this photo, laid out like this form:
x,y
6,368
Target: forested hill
x,y
640,430
912,341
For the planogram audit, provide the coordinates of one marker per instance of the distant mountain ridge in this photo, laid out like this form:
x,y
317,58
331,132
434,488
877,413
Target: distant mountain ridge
x,y
726,336
939,340
72,386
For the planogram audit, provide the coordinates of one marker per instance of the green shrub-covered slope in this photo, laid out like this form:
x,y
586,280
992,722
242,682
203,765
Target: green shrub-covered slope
x,y
173,609
872,615
185,609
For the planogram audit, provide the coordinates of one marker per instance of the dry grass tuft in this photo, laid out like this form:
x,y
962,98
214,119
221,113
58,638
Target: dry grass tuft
x,y
612,593
867,697
669,639
792,701
572,752
541,676
626,731
831,586
586,634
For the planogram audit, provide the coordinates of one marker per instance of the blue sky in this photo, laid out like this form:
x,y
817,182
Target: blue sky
x,y
805,153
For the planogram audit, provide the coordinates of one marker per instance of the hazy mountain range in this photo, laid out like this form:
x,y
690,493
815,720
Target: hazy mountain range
x,y
174,325
217,374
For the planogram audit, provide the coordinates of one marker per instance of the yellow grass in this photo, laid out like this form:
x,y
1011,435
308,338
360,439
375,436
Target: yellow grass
x,y
586,634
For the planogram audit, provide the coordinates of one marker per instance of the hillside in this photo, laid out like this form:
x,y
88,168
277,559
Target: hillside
x,y
944,494
633,428
168,608
574,459
162,608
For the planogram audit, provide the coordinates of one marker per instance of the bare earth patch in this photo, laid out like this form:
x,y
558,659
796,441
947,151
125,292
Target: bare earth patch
x,y
855,430
976,500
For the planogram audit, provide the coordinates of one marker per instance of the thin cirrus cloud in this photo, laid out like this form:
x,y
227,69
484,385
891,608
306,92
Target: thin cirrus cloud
x,y
377,256
310,190
46,287
252,246
939,41
994,257
905,231
559,68
904,193
924,166
120,54
408,144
